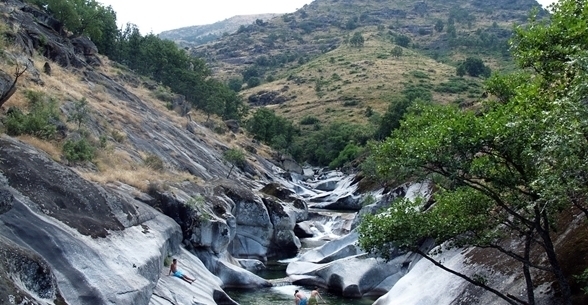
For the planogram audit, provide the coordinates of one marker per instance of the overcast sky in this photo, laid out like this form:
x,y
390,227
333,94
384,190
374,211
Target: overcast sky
x,y
157,15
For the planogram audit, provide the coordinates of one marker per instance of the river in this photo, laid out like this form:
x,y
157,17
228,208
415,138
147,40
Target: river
x,y
331,223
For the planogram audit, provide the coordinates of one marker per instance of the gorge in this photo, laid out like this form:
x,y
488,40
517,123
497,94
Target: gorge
x,y
160,187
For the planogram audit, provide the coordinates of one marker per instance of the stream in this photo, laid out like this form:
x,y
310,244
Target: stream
x,y
330,224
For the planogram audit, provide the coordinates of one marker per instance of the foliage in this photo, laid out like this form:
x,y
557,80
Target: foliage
x,y
235,157
402,40
546,46
40,121
413,93
154,162
163,61
253,82
80,113
348,154
504,86
583,279
453,85
439,25
397,52
78,150
264,125
357,40
86,17
391,119
473,66
325,145
507,172
235,84
309,120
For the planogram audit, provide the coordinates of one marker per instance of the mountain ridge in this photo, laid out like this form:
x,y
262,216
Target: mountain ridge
x,y
199,34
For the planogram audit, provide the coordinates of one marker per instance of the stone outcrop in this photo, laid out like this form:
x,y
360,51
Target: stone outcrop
x,y
264,98
100,245
342,266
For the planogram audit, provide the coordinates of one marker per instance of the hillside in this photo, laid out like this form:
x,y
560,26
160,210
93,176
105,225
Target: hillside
x,y
201,34
106,175
310,66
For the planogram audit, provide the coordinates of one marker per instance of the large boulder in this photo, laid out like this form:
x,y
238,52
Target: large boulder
x,y
230,271
101,245
265,226
341,266
283,217
206,289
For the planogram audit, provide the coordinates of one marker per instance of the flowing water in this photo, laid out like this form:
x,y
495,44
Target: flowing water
x,y
330,223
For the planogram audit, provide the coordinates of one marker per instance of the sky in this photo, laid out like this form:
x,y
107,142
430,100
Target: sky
x,y
157,16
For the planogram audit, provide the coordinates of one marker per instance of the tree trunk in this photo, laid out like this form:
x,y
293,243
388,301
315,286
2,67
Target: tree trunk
x,y
564,286
231,170
526,271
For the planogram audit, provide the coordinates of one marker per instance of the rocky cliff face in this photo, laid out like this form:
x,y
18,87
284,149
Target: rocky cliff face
x,y
69,236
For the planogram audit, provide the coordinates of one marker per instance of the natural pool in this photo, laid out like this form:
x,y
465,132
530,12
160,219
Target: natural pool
x,y
285,295
283,291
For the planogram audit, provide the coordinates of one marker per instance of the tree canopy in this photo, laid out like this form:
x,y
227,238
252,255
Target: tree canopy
x,y
506,171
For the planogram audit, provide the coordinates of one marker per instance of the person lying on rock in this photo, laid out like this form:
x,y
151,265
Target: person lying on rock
x,y
299,298
177,273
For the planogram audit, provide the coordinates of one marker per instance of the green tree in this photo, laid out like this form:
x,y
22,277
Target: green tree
x,y
85,17
265,125
439,25
507,172
402,40
357,40
451,31
80,113
473,66
253,82
235,157
391,119
235,84
397,52
280,144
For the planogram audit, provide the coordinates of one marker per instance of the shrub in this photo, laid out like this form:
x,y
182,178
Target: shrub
x,y
348,154
253,82
78,150
154,162
454,85
118,137
39,122
583,279
309,120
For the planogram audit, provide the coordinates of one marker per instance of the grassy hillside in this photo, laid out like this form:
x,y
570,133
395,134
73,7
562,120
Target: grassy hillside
x,y
309,60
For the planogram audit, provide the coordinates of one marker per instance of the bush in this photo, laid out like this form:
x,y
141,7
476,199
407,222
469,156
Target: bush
x,y
583,279
253,82
309,120
348,154
154,162
39,122
454,85
473,67
402,40
78,151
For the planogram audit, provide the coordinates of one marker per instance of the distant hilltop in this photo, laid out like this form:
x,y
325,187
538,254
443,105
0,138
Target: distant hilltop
x,y
201,34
